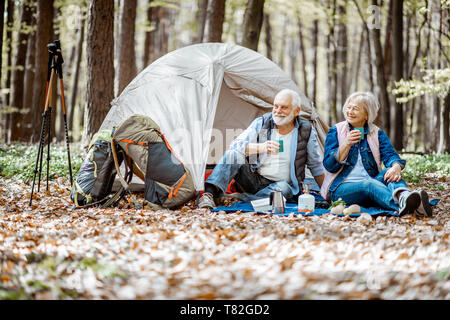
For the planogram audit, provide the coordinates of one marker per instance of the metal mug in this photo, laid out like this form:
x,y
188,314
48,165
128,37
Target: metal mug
x,y
277,202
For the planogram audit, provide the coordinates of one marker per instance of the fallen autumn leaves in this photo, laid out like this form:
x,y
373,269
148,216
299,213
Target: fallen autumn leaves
x,y
51,252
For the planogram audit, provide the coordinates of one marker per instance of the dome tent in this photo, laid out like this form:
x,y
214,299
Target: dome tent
x,y
202,91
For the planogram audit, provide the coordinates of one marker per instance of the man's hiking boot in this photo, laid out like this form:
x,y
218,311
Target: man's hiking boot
x,y
408,202
206,201
424,208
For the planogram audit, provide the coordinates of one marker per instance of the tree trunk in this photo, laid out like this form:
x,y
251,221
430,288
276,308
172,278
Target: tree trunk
x,y
147,41
100,64
422,123
214,21
2,21
333,66
445,125
292,58
15,127
253,19
397,62
76,74
127,56
381,77
27,126
283,43
268,36
303,56
9,27
388,114
44,33
357,63
164,24
153,38
342,59
202,9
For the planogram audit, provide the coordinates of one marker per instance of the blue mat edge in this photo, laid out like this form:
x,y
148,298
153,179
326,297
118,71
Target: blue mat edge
x,y
317,212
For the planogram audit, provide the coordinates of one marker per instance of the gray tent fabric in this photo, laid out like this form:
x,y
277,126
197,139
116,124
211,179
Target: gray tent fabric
x,y
202,96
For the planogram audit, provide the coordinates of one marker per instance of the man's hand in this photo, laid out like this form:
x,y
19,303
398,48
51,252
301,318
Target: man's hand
x,y
393,174
270,147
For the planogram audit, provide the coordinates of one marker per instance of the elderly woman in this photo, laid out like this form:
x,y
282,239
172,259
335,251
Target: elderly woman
x,y
354,151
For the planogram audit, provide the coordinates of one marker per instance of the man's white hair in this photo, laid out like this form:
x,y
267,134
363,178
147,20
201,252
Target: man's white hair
x,y
296,101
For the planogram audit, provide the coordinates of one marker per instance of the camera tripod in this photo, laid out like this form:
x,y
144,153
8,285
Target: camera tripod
x,y
54,70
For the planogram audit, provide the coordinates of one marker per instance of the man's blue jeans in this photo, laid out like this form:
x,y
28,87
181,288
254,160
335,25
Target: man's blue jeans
x,y
372,192
233,165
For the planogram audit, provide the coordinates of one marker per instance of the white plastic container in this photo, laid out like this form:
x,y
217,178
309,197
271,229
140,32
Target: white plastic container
x,y
261,204
306,202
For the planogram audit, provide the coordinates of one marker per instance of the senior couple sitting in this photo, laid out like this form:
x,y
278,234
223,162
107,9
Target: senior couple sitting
x,y
273,153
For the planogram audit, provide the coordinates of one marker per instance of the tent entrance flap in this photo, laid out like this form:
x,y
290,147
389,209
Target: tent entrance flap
x,y
233,116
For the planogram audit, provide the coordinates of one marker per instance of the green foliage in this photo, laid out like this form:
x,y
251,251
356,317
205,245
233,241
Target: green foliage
x,y
434,82
418,166
443,274
18,161
338,202
103,270
12,294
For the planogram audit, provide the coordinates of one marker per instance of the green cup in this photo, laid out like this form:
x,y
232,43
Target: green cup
x,y
360,129
281,145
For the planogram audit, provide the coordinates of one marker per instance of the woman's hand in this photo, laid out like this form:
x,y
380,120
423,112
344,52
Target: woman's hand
x,y
352,138
393,174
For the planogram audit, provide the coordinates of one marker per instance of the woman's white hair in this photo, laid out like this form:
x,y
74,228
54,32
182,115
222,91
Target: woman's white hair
x,y
368,101
296,100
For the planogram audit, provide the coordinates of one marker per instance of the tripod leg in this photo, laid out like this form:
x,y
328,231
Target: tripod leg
x,y
49,130
65,128
41,146
39,155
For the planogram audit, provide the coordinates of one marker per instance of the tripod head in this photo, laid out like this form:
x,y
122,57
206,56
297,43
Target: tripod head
x,y
54,49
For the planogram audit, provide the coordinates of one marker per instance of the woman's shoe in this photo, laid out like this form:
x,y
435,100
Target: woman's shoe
x,y
408,202
424,208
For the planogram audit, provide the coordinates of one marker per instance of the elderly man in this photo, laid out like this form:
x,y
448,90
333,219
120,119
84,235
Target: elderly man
x,y
270,155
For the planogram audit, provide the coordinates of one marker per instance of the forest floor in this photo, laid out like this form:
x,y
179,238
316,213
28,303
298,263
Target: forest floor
x,y
50,251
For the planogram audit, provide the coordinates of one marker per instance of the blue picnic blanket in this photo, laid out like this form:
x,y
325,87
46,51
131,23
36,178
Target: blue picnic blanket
x,y
292,208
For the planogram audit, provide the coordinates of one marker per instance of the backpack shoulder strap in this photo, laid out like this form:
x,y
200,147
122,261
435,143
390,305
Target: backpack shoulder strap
x,y
121,178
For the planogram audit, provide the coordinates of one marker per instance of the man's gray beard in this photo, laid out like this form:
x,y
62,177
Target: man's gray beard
x,y
283,121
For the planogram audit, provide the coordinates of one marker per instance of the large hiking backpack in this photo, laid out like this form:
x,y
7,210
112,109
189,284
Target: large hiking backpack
x,y
97,173
168,183
139,141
